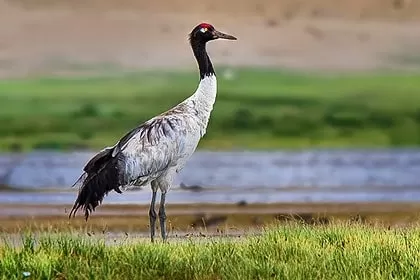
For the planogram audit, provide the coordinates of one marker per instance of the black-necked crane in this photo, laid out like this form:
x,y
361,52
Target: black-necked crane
x,y
158,149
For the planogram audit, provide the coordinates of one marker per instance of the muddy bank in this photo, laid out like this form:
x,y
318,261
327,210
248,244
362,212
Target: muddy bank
x,y
216,218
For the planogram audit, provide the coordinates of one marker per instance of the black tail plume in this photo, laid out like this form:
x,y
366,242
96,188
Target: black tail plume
x,y
101,175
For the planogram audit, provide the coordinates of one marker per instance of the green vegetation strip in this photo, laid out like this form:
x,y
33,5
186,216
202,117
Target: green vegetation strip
x,y
255,109
292,251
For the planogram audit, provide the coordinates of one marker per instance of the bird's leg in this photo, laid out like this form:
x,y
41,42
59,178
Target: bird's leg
x,y
162,216
152,216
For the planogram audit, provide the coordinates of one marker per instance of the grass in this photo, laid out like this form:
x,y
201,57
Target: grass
x,y
256,108
290,251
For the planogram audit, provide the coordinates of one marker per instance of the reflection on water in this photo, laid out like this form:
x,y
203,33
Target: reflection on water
x,y
308,175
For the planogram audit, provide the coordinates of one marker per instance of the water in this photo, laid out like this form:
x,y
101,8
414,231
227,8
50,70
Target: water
x,y
229,177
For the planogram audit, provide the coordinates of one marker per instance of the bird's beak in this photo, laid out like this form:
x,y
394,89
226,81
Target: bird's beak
x,y
220,35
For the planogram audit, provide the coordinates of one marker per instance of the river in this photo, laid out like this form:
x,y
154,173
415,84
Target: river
x,y
326,175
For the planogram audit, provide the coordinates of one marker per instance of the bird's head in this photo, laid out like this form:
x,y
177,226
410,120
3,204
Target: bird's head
x,y
205,32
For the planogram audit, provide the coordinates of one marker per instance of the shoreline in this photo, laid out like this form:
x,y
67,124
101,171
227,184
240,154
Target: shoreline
x,y
196,217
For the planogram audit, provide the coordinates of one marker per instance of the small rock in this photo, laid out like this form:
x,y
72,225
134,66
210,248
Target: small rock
x,y
193,188
272,22
242,203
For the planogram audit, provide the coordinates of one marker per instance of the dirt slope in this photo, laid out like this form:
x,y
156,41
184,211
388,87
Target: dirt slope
x,y
45,36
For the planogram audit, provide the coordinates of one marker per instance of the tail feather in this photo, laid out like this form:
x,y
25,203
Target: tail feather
x,y
101,175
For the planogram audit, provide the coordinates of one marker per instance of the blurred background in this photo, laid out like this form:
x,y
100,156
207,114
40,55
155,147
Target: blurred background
x,y
318,108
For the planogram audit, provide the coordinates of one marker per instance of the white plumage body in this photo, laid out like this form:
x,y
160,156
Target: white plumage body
x,y
162,145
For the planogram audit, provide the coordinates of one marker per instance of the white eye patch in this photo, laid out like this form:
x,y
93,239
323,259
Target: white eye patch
x,y
203,30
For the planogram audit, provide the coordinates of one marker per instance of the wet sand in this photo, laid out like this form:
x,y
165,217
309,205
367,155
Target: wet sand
x,y
198,218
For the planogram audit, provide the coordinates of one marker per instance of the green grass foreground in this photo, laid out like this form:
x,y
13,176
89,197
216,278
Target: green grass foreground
x,y
291,251
255,109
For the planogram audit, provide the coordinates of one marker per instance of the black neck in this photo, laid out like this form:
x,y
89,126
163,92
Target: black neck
x,y
203,60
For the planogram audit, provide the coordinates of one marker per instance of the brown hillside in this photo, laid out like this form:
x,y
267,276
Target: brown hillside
x,y
67,36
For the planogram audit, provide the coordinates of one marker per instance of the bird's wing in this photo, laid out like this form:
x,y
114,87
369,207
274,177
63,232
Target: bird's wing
x,y
153,131
145,150
142,155
151,148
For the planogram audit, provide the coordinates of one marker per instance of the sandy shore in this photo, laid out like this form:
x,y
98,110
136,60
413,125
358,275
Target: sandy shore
x,y
194,218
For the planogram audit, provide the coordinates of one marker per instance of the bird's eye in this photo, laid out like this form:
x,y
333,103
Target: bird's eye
x,y
203,30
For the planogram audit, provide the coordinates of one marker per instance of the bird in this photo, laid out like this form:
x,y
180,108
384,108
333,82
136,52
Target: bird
x,y
156,150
